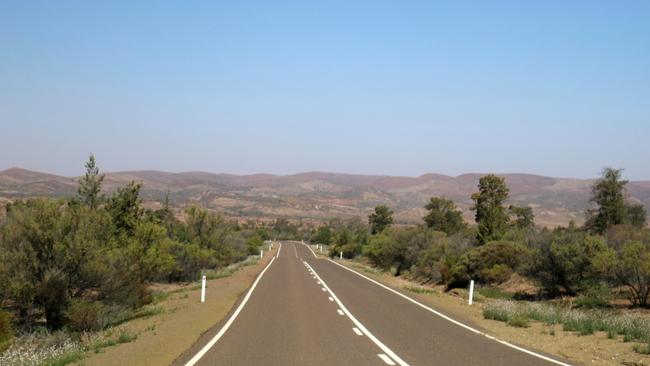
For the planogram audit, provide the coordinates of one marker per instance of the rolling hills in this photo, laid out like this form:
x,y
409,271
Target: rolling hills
x,y
317,196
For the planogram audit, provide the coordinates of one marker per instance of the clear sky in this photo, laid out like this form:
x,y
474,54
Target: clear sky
x,y
559,88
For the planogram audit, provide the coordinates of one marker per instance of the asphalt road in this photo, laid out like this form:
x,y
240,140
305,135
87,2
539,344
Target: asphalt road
x,y
311,311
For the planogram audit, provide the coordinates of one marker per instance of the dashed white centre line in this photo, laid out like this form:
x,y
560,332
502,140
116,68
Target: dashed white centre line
x,y
323,289
386,359
356,330
330,298
279,249
340,312
389,357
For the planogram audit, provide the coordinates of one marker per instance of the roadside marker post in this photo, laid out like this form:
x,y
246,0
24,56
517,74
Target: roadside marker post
x,y
341,255
471,292
261,253
203,288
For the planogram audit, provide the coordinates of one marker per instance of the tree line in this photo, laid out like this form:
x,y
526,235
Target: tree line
x,y
83,262
610,251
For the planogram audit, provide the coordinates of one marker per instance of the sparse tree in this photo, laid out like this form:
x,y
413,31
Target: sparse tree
x,y
124,207
524,217
637,215
491,215
90,186
323,235
629,267
608,193
380,219
443,216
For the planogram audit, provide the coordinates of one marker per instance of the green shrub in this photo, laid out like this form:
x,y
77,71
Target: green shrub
x,y
419,290
6,331
83,315
594,297
493,262
65,359
642,349
518,322
498,273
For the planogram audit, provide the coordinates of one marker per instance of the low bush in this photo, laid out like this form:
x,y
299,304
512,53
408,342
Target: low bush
x,y
633,327
496,293
83,315
6,331
491,263
594,297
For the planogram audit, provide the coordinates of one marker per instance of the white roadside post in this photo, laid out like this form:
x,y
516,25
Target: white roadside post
x,y
203,288
341,255
261,253
471,292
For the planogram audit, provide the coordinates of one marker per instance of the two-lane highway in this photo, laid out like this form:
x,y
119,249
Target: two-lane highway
x,y
305,310
291,319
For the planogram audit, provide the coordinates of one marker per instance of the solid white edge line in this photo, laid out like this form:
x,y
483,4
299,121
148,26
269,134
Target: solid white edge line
x,y
453,320
225,327
357,331
386,359
362,328
310,249
277,255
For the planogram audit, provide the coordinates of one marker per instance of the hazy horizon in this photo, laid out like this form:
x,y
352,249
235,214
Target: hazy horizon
x,y
81,170
553,89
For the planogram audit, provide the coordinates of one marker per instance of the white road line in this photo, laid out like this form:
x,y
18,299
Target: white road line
x,y
330,298
310,249
340,312
356,330
363,329
279,249
295,250
318,282
385,359
534,354
225,327
323,289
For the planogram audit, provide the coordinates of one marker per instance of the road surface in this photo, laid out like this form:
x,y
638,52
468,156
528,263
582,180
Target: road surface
x,y
304,310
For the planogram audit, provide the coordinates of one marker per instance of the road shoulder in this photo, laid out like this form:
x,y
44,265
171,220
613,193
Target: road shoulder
x,y
183,322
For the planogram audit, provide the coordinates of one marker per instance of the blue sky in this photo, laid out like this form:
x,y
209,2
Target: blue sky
x,y
399,88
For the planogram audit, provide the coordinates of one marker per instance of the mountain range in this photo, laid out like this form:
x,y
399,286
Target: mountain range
x,y
318,196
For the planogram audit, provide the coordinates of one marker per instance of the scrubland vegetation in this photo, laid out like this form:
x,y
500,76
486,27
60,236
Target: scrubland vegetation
x,y
603,266
72,269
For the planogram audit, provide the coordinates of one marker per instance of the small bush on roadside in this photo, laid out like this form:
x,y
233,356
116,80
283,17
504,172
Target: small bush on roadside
x,y
419,290
518,322
6,332
83,315
633,327
496,293
594,297
642,349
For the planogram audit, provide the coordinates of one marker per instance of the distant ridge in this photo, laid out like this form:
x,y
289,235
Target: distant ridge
x,y
319,195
